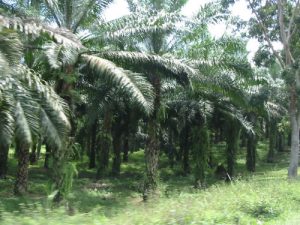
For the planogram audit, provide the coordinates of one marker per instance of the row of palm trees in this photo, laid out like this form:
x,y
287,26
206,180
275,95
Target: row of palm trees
x,y
123,79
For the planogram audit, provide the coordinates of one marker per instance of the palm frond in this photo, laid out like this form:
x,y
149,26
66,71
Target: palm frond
x,y
45,95
60,55
209,13
39,110
53,128
34,27
190,111
168,85
93,8
274,110
10,47
26,122
4,65
235,114
172,68
139,25
220,86
6,118
132,82
146,91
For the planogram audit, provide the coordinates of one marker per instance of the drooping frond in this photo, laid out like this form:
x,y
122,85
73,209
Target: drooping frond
x,y
172,68
4,65
26,122
6,118
167,85
35,107
234,113
212,56
132,82
214,66
274,110
47,98
60,55
27,103
220,86
190,111
33,27
53,128
90,8
145,88
10,47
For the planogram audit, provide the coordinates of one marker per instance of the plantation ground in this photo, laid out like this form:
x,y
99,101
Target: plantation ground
x,y
265,197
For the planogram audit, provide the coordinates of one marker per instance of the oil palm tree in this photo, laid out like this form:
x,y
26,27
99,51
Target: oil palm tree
x,y
29,107
156,41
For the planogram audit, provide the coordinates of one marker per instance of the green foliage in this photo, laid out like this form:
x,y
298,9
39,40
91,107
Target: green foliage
x,y
134,83
284,125
123,79
289,76
63,173
263,209
69,171
263,197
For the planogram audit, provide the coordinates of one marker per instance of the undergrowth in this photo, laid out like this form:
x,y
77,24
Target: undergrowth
x,y
264,197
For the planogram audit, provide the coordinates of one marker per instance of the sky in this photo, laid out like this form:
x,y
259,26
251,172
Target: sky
x,y
119,8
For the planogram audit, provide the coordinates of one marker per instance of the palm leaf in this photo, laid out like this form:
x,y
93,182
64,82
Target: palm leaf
x,y
139,25
134,83
6,118
53,128
59,55
10,47
172,68
40,110
34,27
235,114
26,122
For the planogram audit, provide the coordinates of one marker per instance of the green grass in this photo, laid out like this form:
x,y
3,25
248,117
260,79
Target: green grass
x,y
265,197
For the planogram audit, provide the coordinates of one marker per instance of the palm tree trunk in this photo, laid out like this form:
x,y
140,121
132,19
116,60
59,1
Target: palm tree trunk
x,y
251,146
126,141
22,172
105,144
171,148
152,146
267,129
251,152
244,140
92,155
4,149
281,142
185,149
200,148
125,149
232,140
117,143
32,156
39,147
151,158
47,156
